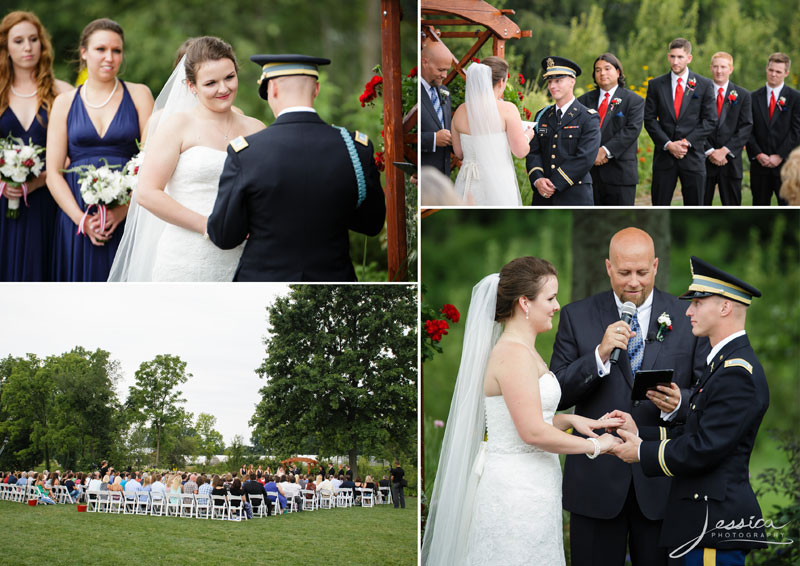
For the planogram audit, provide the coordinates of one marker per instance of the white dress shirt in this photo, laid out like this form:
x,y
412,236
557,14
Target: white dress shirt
x,y
296,109
724,88
674,81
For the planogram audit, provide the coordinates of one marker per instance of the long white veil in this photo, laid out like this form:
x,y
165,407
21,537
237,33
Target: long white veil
x,y
137,249
450,509
498,180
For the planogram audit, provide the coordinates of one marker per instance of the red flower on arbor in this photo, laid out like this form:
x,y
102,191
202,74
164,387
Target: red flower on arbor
x,y
412,73
521,79
436,329
476,60
520,95
451,312
379,161
527,113
371,90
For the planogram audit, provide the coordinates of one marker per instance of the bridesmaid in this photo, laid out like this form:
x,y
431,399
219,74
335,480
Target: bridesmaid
x,y
27,92
103,118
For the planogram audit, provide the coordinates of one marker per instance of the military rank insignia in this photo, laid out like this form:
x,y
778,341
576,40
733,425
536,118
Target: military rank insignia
x,y
238,144
361,138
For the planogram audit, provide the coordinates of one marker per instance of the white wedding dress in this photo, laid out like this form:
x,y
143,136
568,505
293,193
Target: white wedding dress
x,y
517,518
184,255
488,186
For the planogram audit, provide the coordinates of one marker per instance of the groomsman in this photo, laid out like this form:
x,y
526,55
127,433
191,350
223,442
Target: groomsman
x,y
294,190
615,172
435,139
613,506
726,143
566,141
679,115
776,130
709,456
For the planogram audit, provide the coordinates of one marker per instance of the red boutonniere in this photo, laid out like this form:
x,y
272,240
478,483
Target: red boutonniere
x,y
781,102
615,101
691,83
733,96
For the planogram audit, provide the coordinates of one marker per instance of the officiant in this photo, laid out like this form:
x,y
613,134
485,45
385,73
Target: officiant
x,y
295,189
566,141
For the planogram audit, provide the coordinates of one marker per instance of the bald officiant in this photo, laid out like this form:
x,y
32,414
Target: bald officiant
x,y
295,189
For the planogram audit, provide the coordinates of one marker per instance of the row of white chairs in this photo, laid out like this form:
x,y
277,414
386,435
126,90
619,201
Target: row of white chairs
x,y
24,493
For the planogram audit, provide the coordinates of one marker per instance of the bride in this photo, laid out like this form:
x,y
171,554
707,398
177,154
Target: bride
x,y
486,130
184,156
500,502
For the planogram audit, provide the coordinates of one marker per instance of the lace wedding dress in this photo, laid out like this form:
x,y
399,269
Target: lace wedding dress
x,y
517,511
494,185
184,255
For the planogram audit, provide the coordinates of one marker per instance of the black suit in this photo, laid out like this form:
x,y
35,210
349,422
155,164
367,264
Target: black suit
x,y
710,455
698,115
429,125
564,153
732,131
614,183
780,136
293,190
604,494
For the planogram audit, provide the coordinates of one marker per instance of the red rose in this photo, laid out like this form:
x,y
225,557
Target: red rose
x,y
527,113
476,60
520,95
451,312
521,79
436,329
379,161
412,72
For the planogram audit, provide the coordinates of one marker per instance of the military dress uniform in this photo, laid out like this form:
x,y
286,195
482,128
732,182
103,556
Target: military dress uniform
x,y
294,190
564,150
709,455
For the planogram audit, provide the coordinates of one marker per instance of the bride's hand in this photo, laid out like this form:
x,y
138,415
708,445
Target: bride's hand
x,y
586,427
628,424
608,442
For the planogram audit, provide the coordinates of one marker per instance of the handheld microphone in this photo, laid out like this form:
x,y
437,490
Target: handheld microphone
x,y
628,310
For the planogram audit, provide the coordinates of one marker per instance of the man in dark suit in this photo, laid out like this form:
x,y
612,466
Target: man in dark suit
x,y
566,141
709,456
612,504
679,115
776,130
435,141
725,144
294,189
616,171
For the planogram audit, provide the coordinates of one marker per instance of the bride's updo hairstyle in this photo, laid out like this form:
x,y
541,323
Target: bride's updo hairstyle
x,y
204,49
499,68
521,277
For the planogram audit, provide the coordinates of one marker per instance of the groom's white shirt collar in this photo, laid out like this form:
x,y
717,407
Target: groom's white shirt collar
x,y
721,344
566,106
296,109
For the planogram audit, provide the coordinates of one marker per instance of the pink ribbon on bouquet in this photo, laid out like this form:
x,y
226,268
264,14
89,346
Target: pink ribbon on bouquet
x,y
101,209
24,186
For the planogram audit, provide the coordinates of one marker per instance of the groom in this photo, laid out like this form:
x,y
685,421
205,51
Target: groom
x,y
295,189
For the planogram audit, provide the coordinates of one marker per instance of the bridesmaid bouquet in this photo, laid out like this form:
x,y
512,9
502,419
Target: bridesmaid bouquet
x,y
103,187
19,163
131,169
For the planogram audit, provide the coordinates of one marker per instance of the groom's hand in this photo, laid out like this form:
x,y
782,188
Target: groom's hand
x,y
628,424
629,450
545,187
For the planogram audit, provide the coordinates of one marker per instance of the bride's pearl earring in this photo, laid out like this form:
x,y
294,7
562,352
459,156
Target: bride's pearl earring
x,y
526,315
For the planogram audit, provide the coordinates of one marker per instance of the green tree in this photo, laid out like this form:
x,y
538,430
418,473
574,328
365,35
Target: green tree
x,y
236,452
340,369
209,440
153,399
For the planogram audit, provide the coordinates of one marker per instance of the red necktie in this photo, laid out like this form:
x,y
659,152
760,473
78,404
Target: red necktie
x,y
771,104
719,102
603,109
678,98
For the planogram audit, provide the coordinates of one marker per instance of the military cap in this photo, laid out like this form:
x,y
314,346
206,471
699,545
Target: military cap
x,y
708,280
559,67
284,65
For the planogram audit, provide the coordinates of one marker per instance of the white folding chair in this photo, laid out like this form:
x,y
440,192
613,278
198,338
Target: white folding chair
x,y
158,503
115,500
92,500
276,504
143,502
257,503
385,495
202,506
219,507
309,499
63,495
187,505
129,503
236,508
344,497
5,492
326,499
366,497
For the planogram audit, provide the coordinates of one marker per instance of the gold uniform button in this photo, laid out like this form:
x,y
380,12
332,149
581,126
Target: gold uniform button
x,y
552,157
696,496
554,146
552,167
570,135
555,136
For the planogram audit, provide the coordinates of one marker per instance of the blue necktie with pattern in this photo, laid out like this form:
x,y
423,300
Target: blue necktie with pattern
x,y
636,345
437,105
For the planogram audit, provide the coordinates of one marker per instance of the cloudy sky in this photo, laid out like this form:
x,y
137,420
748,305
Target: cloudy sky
x,y
217,329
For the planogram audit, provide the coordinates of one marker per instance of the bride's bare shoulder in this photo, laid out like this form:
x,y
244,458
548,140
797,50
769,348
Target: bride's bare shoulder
x,y
251,125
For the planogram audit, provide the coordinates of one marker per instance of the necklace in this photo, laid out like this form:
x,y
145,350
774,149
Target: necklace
x,y
227,132
90,105
22,95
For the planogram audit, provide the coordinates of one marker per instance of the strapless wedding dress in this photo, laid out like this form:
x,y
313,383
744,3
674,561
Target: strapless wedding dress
x,y
489,184
517,517
184,255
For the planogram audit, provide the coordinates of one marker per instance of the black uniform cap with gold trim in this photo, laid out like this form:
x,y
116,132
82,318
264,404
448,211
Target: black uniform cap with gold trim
x,y
708,280
555,67
284,65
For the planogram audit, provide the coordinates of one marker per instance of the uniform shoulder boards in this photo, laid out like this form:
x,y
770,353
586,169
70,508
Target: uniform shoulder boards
x,y
739,362
591,111
239,143
361,138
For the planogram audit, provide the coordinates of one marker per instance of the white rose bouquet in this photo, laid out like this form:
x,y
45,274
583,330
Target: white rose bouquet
x,y
103,187
19,163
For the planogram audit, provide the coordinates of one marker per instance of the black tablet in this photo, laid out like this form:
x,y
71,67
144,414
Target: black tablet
x,y
648,379
405,167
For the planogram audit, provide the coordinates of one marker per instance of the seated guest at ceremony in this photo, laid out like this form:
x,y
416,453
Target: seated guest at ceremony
x,y
23,479
133,484
218,487
203,488
237,498
337,481
253,487
271,486
191,485
157,486
44,493
175,488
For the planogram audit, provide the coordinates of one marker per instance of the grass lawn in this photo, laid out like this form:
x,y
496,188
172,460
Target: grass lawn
x,y
58,534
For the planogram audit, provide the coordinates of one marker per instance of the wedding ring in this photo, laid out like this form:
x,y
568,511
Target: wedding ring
x,y
619,329
666,397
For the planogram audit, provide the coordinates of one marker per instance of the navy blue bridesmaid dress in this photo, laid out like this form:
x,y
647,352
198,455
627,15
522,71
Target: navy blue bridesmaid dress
x,y
26,243
75,258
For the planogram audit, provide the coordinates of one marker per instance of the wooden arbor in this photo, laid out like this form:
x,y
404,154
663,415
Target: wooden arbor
x,y
397,140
